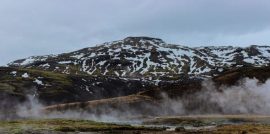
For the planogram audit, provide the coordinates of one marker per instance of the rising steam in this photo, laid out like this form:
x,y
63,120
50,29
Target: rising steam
x,y
248,97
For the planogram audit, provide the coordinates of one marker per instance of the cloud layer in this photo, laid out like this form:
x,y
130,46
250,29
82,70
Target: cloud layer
x,y
37,27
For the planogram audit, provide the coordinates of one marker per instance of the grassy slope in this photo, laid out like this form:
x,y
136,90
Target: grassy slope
x,y
233,76
177,90
18,86
63,88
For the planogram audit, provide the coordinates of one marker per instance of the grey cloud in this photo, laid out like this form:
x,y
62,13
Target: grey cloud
x,y
33,27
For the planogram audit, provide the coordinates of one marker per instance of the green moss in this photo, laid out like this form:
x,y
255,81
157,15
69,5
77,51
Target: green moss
x,y
6,77
6,87
62,79
97,72
63,125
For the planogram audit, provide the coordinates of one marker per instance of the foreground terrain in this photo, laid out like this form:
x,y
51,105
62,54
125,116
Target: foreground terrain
x,y
144,84
64,126
217,124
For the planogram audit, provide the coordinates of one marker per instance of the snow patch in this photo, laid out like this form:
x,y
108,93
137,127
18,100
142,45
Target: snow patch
x,y
65,62
39,82
25,75
14,73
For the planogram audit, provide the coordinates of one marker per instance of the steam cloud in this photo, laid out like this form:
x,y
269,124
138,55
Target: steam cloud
x,y
248,97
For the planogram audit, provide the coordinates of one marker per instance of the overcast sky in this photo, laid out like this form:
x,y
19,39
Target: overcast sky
x,y
38,27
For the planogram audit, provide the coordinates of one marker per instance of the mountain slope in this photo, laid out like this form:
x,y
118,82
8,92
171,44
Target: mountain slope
x,y
140,66
18,84
126,67
149,58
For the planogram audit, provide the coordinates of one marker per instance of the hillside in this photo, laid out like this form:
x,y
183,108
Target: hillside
x,y
129,66
51,88
142,74
149,58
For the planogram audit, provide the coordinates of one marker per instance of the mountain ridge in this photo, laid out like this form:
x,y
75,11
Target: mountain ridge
x,y
150,58
127,67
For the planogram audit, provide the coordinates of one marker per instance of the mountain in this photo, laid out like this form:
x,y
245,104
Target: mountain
x,y
129,66
149,58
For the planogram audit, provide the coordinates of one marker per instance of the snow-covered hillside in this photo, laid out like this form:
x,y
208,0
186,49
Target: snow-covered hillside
x,y
152,58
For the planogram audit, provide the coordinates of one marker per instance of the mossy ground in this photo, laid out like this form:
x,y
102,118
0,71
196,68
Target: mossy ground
x,y
217,124
205,120
61,126
64,125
